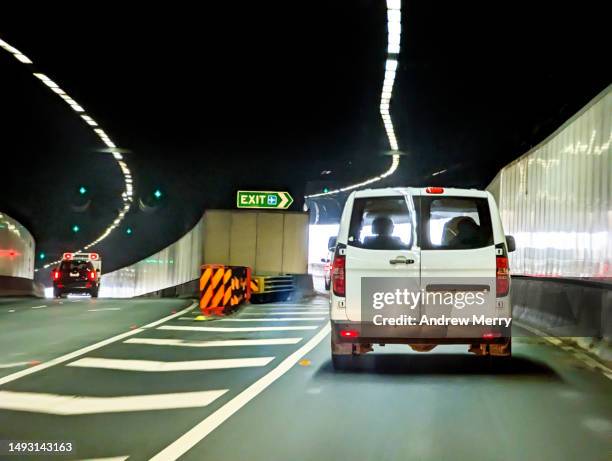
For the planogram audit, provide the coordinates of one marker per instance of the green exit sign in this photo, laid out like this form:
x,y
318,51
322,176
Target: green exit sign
x,y
263,199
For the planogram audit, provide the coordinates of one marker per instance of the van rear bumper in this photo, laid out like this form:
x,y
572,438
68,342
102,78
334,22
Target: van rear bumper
x,y
367,333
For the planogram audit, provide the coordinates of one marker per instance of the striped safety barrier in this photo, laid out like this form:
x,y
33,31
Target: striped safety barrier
x,y
223,288
272,288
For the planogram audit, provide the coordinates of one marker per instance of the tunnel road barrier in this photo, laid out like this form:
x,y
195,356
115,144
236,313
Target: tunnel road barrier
x,y
272,288
223,288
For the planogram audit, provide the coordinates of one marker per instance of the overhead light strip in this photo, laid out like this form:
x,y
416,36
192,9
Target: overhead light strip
x,y
127,195
394,31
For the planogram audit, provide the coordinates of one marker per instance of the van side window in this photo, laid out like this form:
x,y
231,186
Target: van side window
x,y
380,223
456,223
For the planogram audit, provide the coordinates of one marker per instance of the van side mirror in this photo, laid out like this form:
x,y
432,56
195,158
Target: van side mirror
x,y
510,243
331,243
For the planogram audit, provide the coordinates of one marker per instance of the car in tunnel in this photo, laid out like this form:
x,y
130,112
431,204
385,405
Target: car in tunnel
x,y
331,247
406,263
78,273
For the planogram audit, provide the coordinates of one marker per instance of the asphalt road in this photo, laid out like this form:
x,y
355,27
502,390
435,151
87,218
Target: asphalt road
x,y
235,390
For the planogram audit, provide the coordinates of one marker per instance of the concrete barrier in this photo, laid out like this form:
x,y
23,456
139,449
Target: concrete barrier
x,y
574,309
19,286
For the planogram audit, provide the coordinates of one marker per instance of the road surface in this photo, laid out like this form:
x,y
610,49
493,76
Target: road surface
x,y
140,379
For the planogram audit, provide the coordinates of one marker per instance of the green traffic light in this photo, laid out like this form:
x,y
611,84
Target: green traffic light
x,y
82,190
128,231
326,189
75,228
42,256
158,194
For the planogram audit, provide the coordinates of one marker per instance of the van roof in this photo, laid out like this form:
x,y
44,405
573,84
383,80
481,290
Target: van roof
x,y
447,191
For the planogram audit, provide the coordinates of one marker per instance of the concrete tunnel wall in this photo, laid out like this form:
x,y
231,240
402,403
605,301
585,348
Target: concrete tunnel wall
x,y
271,243
17,249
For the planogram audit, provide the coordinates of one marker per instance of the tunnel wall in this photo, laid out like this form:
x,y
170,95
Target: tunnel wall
x,y
556,200
270,242
17,254
17,249
176,265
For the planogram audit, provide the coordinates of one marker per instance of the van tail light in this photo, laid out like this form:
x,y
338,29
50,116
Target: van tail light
x,y
92,275
491,335
56,274
338,275
502,276
349,333
435,190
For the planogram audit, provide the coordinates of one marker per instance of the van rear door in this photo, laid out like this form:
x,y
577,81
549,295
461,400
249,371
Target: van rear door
x,y
457,253
381,243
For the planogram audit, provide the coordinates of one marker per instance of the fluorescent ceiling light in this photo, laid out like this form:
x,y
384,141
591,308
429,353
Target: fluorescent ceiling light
x,y
23,58
391,64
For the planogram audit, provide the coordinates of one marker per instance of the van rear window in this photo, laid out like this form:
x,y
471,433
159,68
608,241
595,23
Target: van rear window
x,y
455,223
381,223
75,265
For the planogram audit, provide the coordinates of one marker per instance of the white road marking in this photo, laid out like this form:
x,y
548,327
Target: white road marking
x,y
273,319
275,306
13,365
155,366
11,310
233,330
196,434
39,307
77,405
84,350
104,309
286,313
223,343
113,458
285,309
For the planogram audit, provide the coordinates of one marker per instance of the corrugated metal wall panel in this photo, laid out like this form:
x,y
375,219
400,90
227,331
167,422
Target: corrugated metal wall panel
x,y
557,199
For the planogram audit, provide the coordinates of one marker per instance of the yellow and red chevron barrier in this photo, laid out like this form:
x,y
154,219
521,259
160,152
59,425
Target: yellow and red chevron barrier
x,y
223,288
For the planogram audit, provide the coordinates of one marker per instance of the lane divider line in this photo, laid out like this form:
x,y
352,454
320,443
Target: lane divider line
x,y
13,365
221,343
273,319
39,307
159,366
287,313
284,309
92,347
104,309
196,434
64,405
112,458
234,330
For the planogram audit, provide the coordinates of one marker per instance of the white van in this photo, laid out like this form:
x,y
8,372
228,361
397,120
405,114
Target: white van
x,y
407,261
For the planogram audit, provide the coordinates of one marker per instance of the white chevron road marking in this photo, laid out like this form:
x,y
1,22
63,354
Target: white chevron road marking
x,y
156,366
234,330
77,405
224,343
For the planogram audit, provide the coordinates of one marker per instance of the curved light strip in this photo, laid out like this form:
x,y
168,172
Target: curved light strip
x,y
394,32
127,175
